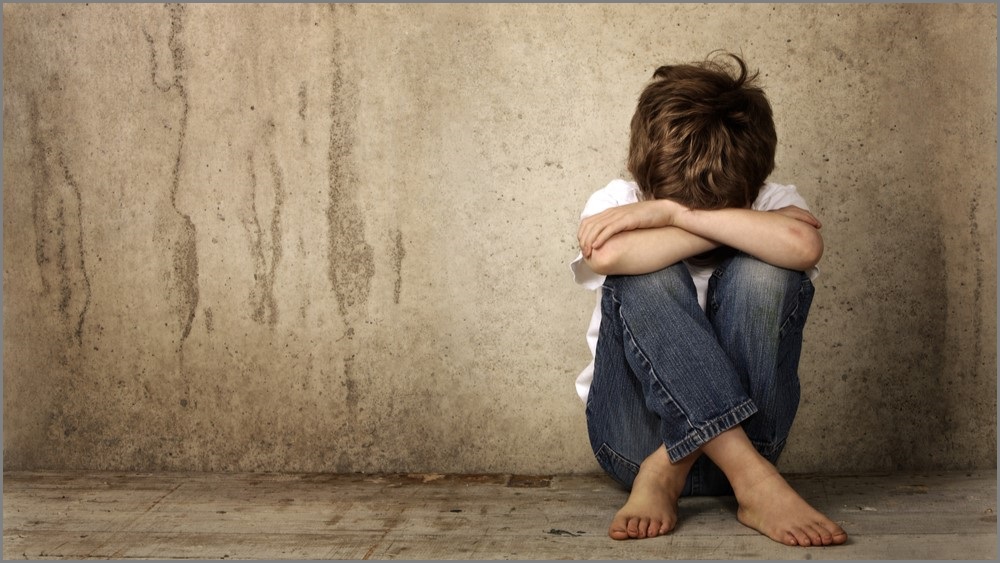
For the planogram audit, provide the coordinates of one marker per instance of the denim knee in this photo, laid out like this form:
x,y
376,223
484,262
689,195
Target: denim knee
x,y
758,312
753,289
673,281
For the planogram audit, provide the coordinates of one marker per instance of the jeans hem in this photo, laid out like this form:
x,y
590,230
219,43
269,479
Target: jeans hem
x,y
701,436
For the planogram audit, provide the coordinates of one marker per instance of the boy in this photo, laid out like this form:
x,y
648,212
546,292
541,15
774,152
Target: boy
x,y
704,274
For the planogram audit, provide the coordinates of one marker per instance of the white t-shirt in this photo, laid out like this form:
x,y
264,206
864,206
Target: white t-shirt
x,y
620,192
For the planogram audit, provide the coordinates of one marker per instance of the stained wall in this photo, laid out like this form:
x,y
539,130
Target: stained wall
x,y
335,238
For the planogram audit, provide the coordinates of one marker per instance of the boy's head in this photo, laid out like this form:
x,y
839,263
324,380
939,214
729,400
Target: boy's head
x,y
702,135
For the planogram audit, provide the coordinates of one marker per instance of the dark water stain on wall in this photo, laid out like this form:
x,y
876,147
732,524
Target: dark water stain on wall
x,y
351,264
303,106
398,253
266,244
183,282
302,101
977,291
57,214
350,260
351,396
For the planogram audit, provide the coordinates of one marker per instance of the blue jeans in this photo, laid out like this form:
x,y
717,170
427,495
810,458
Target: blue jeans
x,y
668,373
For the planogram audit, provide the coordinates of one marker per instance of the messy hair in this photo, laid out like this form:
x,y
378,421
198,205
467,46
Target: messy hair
x,y
703,135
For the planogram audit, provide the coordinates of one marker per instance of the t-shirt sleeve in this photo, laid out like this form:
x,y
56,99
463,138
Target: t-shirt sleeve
x,y
599,201
776,196
583,275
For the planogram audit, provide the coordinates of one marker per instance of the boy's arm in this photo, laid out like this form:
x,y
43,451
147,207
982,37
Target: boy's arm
x,y
787,238
641,251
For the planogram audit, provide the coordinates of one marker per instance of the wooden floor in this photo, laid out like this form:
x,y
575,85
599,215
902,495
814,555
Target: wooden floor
x,y
249,516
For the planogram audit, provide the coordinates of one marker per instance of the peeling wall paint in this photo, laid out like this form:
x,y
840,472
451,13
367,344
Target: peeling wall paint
x,y
336,237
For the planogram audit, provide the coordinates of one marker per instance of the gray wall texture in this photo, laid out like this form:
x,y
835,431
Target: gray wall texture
x,y
336,238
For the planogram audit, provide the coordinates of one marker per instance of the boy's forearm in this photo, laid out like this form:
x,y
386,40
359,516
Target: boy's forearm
x,y
642,251
647,236
770,236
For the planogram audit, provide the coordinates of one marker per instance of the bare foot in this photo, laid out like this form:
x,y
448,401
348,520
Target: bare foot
x,y
767,503
651,508
770,506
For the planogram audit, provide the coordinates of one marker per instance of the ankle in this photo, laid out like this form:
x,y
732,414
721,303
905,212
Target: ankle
x,y
748,481
655,464
750,472
660,468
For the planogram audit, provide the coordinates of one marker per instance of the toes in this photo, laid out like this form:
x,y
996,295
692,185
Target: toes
x,y
814,536
633,527
826,538
643,527
801,538
637,528
618,529
831,532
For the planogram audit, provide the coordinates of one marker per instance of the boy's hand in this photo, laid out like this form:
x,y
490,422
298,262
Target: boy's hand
x,y
799,214
597,229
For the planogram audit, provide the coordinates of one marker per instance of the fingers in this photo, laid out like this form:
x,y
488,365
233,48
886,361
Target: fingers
x,y
606,232
595,231
585,236
800,214
808,218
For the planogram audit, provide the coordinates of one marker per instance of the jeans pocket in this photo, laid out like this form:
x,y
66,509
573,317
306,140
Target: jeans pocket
x,y
620,468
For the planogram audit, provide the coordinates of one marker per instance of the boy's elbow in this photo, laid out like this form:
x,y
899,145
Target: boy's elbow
x,y
602,261
812,255
810,247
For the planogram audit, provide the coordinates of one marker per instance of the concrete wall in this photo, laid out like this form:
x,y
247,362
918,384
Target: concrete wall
x,y
335,238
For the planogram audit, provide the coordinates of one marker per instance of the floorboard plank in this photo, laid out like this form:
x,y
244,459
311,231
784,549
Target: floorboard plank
x,y
74,515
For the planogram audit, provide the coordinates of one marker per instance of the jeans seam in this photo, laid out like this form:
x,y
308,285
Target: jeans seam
x,y
696,435
798,304
614,458
645,361
611,452
649,367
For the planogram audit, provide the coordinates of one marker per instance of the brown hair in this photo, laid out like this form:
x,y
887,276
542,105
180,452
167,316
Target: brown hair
x,y
702,135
